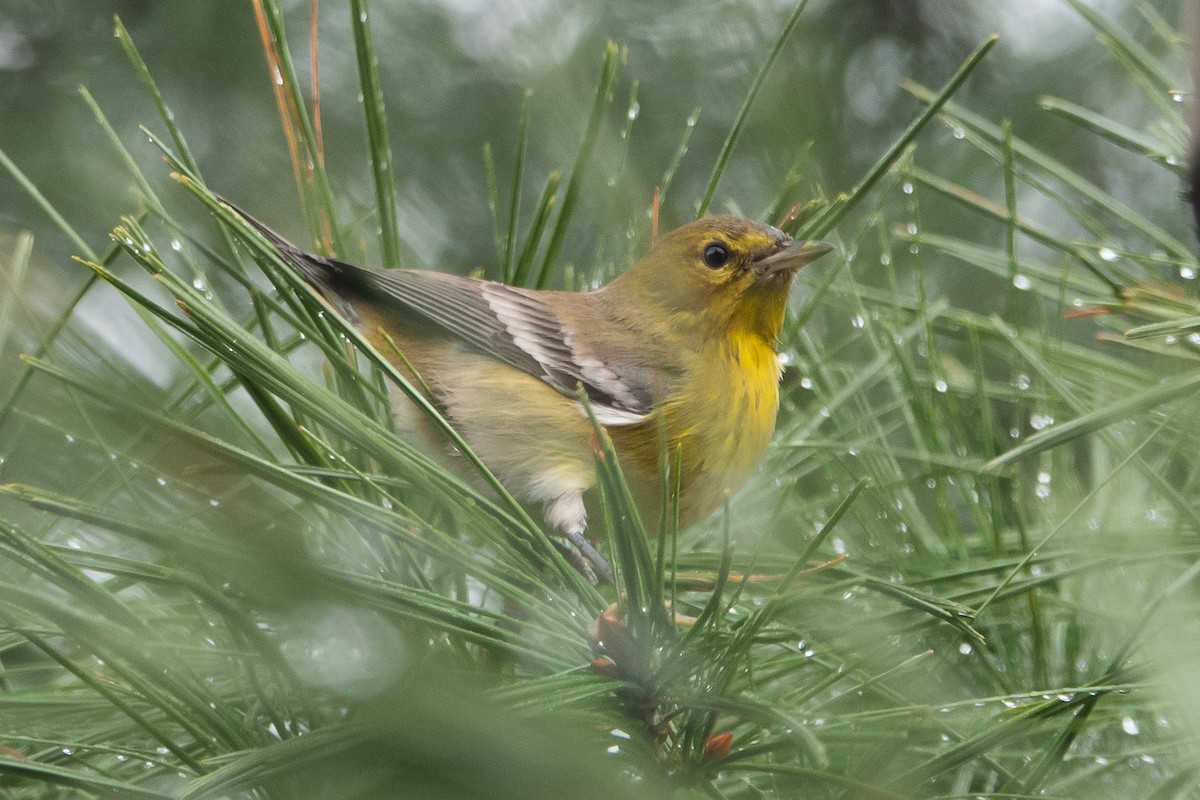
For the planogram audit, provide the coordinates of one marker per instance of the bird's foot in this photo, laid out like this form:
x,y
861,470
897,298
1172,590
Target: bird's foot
x,y
584,557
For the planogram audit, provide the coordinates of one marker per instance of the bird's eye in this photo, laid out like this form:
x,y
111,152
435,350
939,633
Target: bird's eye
x,y
716,255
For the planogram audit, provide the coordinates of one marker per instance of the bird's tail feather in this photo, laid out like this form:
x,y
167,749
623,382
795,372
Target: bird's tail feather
x,y
335,280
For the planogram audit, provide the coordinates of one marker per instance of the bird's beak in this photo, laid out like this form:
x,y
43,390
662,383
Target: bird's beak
x,y
791,258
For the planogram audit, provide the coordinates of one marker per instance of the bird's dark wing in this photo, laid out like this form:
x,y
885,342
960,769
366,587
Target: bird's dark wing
x,y
519,327
522,328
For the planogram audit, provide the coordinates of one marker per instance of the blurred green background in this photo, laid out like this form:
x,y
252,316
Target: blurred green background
x,y
454,74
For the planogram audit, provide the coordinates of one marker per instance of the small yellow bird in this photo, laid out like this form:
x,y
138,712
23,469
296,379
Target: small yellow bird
x,y
683,342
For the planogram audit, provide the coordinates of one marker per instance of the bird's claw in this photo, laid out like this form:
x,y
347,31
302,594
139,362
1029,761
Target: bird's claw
x,y
585,558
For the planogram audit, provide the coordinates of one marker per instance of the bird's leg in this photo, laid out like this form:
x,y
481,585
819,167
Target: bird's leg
x,y
593,561
568,514
577,559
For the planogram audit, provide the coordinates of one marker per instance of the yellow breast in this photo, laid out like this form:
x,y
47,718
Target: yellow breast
x,y
721,420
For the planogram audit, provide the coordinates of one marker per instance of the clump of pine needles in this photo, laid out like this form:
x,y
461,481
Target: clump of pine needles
x,y
968,568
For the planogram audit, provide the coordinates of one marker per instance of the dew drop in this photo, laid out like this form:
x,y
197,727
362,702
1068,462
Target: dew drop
x,y
1187,273
634,110
966,649
1130,726
907,188
858,321
1022,282
1108,254
940,386
959,133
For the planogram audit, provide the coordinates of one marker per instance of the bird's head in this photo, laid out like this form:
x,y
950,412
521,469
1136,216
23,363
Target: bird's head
x,y
723,271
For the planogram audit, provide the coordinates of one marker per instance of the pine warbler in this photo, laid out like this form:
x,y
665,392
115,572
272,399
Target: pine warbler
x,y
683,342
